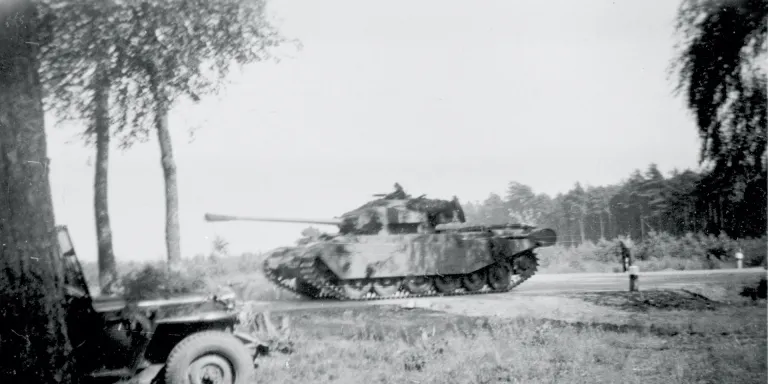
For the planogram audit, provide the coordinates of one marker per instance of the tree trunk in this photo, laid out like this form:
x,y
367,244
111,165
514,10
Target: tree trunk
x,y
602,226
581,229
694,219
172,232
33,330
107,267
614,224
721,220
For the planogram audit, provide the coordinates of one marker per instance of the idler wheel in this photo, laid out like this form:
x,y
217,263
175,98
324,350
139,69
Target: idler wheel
x,y
447,283
500,275
525,264
418,285
387,286
475,281
356,289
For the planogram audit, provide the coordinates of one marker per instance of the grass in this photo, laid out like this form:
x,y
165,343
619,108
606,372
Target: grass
x,y
388,344
663,337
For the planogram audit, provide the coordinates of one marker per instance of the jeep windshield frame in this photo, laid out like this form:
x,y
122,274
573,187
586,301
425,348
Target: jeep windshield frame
x,y
73,270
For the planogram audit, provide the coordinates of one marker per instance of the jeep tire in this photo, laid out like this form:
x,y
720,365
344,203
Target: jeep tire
x,y
218,355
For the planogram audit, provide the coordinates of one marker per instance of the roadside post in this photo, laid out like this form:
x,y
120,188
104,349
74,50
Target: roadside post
x,y
739,259
634,272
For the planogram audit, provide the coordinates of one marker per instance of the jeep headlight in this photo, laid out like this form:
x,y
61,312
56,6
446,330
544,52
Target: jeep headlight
x,y
227,297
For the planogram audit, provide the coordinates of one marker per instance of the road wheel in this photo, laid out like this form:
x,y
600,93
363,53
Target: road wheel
x,y
447,283
210,357
475,281
418,285
500,276
387,286
356,289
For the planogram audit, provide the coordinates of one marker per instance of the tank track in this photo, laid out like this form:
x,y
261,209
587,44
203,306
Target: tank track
x,y
319,282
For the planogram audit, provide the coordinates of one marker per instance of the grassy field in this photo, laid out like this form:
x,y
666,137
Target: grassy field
x,y
694,342
712,335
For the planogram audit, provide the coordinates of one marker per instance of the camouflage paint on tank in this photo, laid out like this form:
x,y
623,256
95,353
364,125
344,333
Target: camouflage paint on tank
x,y
400,213
397,235
285,261
413,254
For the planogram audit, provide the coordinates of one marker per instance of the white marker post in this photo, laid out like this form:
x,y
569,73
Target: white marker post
x,y
739,258
634,272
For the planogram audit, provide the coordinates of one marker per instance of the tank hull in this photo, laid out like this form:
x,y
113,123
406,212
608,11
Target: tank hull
x,y
355,267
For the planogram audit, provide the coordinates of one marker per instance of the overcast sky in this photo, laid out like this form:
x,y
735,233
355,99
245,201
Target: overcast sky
x,y
445,97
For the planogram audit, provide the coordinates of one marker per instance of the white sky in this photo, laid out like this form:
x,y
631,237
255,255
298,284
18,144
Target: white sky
x,y
445,97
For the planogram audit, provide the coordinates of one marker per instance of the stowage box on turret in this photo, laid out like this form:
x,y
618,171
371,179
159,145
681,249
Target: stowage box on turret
x,y
400,246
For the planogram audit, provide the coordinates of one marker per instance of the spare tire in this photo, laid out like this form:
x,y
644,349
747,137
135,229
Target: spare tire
x,y
218,355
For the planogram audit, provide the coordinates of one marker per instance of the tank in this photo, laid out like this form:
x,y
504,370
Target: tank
x,y
398,246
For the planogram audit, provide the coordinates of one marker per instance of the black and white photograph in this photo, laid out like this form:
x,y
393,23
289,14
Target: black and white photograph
x,y
360,192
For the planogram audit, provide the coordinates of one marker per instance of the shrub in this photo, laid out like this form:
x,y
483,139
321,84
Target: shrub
x,y
153,282
754,251
658,251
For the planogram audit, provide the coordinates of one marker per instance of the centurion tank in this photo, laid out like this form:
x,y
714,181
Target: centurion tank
x,y
399,246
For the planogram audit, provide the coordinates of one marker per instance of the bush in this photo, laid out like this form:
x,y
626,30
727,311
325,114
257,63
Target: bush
x,y
153,282
658,251
754,251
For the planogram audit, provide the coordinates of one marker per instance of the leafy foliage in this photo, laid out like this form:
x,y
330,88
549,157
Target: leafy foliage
x,y
658,251
718,70
677,204
189,46
153,282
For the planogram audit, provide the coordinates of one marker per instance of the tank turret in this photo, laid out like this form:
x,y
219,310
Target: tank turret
x,y
393,213
398,245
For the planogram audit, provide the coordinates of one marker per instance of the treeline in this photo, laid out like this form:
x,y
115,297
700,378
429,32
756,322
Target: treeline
x,y
682,202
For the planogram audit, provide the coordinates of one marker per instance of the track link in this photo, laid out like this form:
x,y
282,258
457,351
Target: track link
x,y
324,285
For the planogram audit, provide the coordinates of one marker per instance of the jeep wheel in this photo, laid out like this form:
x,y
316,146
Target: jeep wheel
x,y
209,357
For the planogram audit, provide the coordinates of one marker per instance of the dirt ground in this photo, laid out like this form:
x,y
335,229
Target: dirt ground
x,y
698,335
668,312
641,337
582,306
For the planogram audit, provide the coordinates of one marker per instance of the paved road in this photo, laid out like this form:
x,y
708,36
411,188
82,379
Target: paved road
x,y
563,283
594,282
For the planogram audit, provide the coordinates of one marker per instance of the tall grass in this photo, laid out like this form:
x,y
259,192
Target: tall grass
x,y
388,346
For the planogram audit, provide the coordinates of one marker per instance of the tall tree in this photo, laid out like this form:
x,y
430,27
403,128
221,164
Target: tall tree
x,y
78,66
598,206
33,330
100,128
576,206
159,52
723,45
521,202
184,48
652,196
719,70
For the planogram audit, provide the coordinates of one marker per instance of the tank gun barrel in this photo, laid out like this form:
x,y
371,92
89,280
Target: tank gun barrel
x,y
218,217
